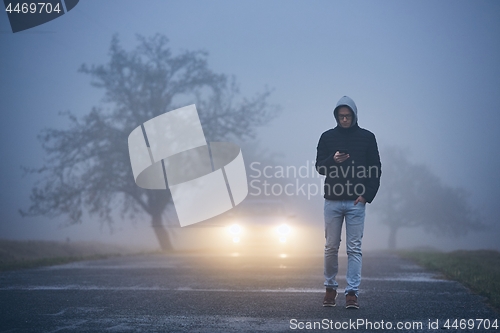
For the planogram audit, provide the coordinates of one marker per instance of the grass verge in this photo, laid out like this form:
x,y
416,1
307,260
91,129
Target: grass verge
x,y
33,263
15,254
478,270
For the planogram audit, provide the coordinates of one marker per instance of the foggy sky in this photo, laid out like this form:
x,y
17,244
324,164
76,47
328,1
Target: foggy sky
x,y
425,76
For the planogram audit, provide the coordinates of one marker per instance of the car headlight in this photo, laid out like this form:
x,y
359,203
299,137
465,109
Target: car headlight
x,y
235,230
283,230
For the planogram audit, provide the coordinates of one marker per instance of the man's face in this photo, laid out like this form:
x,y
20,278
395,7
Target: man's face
x,y
344,115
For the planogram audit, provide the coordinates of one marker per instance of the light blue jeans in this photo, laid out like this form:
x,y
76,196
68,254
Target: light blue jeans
x,y
335,213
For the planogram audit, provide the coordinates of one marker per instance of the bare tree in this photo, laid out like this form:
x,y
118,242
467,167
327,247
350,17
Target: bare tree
x,y
411,196
87,168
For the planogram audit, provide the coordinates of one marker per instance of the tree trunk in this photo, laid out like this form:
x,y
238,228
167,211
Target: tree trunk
x,y
161,234
392,237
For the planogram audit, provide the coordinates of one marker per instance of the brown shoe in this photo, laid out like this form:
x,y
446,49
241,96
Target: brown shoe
x,y
351,300
330,297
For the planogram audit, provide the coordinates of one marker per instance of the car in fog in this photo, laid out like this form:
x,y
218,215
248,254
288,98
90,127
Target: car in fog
x,y
254,227
260,225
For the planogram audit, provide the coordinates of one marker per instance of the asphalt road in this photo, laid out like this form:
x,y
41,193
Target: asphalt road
x,y
203,293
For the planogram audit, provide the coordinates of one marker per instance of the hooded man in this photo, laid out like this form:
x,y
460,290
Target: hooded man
x,y
348,156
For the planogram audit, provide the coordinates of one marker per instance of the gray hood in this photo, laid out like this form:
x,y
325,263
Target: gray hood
x,y
347,101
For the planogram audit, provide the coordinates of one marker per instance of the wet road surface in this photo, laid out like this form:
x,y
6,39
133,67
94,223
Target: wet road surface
x,y
204,293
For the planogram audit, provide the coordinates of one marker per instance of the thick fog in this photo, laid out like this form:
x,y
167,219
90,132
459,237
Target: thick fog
x,y
425,77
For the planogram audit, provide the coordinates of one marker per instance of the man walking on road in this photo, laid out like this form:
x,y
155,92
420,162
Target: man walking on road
x,y
348,156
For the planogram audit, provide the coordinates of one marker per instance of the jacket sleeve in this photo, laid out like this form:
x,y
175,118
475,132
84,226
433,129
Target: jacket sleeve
x,y
374,171
324,156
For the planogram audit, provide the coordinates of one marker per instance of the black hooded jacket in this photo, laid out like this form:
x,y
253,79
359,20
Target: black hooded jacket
x,y
360,173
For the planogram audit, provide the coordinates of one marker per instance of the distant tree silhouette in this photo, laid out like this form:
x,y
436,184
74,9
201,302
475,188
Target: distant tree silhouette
x,y
88,169
412,197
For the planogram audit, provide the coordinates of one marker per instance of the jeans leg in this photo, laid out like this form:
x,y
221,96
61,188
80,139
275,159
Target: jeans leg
x,y
333,227
354,221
